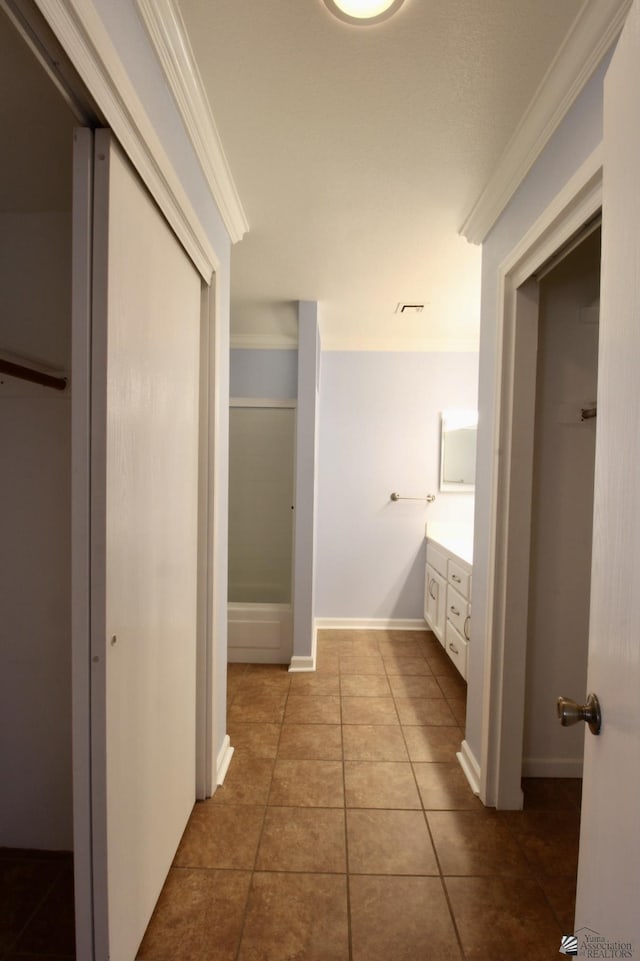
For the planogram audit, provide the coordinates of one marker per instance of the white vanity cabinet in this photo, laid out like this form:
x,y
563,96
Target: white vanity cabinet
x,y
447,607
435,592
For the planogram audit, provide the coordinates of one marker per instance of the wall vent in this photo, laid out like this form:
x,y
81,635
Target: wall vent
x,y
409,308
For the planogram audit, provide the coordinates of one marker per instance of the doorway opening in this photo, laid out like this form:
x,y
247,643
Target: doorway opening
x,y
565,419
507,624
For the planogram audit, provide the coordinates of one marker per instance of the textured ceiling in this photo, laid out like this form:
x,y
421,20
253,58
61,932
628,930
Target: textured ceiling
x,y
357,152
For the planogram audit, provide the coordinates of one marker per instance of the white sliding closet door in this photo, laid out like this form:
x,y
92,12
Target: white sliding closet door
x,y
144,489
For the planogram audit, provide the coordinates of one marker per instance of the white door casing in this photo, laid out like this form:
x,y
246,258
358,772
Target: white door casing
x,y
609,864
506,627
144,549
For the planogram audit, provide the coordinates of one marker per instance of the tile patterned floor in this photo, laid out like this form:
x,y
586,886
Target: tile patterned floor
x,y
346,831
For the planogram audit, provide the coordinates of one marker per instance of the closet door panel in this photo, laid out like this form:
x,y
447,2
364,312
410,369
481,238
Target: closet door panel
x,y
145,374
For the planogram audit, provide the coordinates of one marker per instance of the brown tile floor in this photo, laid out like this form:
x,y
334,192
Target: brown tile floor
x,y
36,906
346,831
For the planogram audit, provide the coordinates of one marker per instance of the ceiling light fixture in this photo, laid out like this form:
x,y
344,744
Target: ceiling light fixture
x,y
363,11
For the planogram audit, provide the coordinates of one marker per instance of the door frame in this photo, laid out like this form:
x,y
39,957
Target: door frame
x,y
511,484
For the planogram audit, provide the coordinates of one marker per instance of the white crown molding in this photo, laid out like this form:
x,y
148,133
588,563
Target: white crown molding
x,y
169,37
593,32
78,27
263,342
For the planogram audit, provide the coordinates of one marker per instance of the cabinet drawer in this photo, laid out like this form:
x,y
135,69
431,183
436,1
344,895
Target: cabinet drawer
x,y
437,559
456,647
460,579
457,610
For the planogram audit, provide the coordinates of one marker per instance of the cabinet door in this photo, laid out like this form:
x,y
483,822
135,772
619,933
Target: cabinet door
x,y
435,602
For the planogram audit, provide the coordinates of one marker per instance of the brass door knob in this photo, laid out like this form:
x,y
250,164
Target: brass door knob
x,y
570,712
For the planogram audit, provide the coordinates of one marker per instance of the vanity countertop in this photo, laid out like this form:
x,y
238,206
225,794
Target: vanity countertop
x,y
455,539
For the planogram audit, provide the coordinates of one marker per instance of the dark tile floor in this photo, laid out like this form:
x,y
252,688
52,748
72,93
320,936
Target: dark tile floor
x,y
36,906
346,831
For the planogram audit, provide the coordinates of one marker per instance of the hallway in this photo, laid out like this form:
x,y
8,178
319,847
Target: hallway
x,y
346,831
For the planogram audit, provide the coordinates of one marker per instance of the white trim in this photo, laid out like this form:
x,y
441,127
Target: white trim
x,y
552,767
78,27
470,766
342,343
207,668
286,402
371,624
579,199
223,760
577,202
168,34
303,664
263,342
594,30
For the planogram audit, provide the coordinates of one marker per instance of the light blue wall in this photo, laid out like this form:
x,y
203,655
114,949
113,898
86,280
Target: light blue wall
x,y
379,432
576,138
269,374
130,39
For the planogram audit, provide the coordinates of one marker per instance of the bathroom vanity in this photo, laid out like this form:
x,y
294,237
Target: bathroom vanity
x,y
447,596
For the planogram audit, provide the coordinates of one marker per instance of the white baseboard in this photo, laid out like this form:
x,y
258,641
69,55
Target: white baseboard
x,y
301,664
551,767
470,766
223,760
259,633
371,624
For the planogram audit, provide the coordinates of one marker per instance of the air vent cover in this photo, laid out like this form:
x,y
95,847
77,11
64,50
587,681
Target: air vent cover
x,y
409,308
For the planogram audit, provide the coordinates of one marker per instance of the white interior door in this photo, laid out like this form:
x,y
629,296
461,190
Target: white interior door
x,y
609,865
144,500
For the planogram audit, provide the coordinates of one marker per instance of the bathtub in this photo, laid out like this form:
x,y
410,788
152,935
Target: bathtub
x,y
259,633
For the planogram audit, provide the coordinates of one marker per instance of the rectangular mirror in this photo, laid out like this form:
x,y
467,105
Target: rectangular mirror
x,y
458,430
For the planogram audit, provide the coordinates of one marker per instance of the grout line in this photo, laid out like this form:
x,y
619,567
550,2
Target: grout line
x,y
260,836
346,832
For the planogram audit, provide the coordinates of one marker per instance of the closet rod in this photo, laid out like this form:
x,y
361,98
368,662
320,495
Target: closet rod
x,y
35,376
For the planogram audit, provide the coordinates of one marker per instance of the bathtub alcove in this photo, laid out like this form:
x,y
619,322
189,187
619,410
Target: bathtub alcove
x,y
261,492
